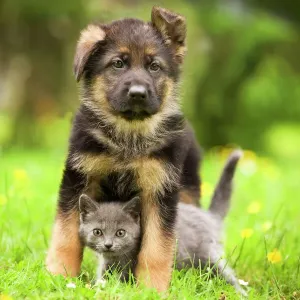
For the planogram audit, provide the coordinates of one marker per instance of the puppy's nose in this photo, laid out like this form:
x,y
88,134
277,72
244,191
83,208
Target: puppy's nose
x,y
137,94
108,245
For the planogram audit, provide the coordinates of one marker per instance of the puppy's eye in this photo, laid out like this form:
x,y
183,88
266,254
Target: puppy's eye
x,y
154,67
120,233
118,64
97,232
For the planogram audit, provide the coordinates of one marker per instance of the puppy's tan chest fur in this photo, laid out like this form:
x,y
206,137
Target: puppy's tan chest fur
x,y
152,175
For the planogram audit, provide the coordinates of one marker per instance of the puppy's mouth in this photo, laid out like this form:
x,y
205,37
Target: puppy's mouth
x,y
134,115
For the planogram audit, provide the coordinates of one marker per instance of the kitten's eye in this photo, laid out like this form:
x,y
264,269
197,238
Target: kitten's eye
x,y
97,232
120,233
154,67
118,64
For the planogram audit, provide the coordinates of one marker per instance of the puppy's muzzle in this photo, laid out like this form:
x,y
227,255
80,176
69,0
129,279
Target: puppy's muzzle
x,y
139,104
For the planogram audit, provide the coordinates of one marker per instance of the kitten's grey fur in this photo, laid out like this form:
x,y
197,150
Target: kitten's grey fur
x,y
118,252
198,231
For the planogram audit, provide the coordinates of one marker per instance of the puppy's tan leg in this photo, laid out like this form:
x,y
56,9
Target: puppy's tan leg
x,y
189,196
155,259
65,253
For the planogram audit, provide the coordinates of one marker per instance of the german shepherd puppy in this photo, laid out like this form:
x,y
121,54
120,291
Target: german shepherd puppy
x,y
129,129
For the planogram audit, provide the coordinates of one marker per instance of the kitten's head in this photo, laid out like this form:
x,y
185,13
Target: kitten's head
x,y
113,228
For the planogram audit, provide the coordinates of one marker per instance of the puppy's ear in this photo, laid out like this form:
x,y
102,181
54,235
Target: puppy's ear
x,y
89,41
172,27
133,207
86,204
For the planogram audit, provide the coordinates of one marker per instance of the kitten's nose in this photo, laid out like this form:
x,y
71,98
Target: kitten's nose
x,y
108,245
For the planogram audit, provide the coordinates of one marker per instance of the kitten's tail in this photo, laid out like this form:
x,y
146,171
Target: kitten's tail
x,y
220,201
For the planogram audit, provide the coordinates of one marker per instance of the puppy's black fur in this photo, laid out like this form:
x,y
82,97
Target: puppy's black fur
x,y
129,131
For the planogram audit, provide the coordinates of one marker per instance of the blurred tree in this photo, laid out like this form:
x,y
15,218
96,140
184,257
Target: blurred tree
x,y
35,31
288,9
241,73
240,43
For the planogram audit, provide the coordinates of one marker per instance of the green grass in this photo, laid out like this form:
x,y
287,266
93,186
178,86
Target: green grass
x,y
28,191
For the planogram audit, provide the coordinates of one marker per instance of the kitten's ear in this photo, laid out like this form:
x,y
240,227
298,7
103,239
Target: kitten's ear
x,y
172,27
133,207
86,204
89,41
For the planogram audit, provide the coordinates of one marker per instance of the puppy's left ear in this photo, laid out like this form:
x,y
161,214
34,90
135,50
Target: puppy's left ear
x,y
172,27
133,207
90,40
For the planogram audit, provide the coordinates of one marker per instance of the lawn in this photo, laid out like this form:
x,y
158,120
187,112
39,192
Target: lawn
x,y
261,233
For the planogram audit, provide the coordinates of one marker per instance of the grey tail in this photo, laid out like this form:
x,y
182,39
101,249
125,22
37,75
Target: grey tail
x,y
221,198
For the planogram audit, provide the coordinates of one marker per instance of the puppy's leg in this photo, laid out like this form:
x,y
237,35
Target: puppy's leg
x,y
189,195
65,252
190,179
155,259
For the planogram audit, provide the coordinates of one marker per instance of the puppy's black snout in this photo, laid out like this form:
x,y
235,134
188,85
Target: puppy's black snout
x,y
137,94
139,101
108,245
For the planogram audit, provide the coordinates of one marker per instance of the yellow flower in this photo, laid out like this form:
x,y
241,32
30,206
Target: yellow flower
x,y
225,152
246,233
266,226
20,174
254,207
5,297
249,155
21,178
206,189
3,200
274,257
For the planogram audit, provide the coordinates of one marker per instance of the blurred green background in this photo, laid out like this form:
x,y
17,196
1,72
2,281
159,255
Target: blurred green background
x,y
241,86
241,81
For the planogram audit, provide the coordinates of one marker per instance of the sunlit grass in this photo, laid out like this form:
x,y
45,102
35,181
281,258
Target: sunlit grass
x,y
261,237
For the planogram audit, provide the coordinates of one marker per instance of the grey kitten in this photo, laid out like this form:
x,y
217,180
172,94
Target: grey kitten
x,y
112,230
198,231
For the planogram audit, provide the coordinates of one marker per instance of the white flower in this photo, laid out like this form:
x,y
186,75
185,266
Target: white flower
x,y
71,285
101,283
242,282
